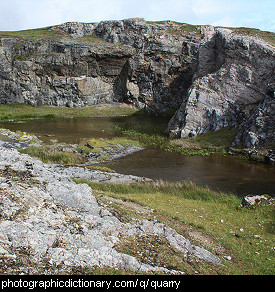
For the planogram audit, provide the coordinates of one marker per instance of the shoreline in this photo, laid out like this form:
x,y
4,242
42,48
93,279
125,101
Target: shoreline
x,y
211,143
39,200
65,216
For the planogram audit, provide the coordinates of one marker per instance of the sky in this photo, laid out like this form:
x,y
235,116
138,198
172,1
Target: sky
x,y
27,14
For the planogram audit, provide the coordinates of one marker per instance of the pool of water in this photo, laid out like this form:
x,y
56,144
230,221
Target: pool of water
x,y
226,174
221,173
76,129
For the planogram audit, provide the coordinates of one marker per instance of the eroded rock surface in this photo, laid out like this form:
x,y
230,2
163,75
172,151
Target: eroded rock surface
x,y
54,220
232,87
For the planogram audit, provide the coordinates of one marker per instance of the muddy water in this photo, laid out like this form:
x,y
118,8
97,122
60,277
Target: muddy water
x,y
74,130
226,174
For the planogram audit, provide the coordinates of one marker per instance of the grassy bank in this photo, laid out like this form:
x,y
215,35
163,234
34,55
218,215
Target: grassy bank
x,y
48,33
208,144
88,151
51,155
21,112
242,238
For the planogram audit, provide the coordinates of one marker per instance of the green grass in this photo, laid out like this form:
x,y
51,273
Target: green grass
x,y
188,190
23,112
253,32
96,145
210,143
49,155
33,34
246,234
48,33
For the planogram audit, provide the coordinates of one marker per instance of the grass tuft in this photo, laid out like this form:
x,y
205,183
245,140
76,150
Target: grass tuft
x,y
49,155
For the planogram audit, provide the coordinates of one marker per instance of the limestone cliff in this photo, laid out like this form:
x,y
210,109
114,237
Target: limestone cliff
x,y
232,87
214,77
129,61
59,73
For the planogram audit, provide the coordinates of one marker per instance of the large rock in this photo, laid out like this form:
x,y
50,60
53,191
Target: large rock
x,y
254,200
258,130
231,87
62,74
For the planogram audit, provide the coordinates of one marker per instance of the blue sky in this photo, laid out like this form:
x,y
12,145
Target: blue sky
x,y
25,14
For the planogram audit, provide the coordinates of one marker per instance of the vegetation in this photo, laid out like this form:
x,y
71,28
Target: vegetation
x,y
241,237
264,35
33,34
208,144
134,133
48,33
21,112
49,155
96,145
77,156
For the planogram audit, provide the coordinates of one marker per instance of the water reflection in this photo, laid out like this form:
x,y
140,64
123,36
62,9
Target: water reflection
x,y
225,174
220,173
74,130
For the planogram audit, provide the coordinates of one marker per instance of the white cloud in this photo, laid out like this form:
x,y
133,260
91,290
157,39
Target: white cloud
x,y
18,14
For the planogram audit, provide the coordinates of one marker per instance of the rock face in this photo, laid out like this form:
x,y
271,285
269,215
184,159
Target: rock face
x,y
233,86
129,61
214,77
61,74
259,129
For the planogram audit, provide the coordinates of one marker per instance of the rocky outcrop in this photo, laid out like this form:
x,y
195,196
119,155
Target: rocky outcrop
x,y
258,130
48,220
252,201
130,61
61,74
232,87
214,77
